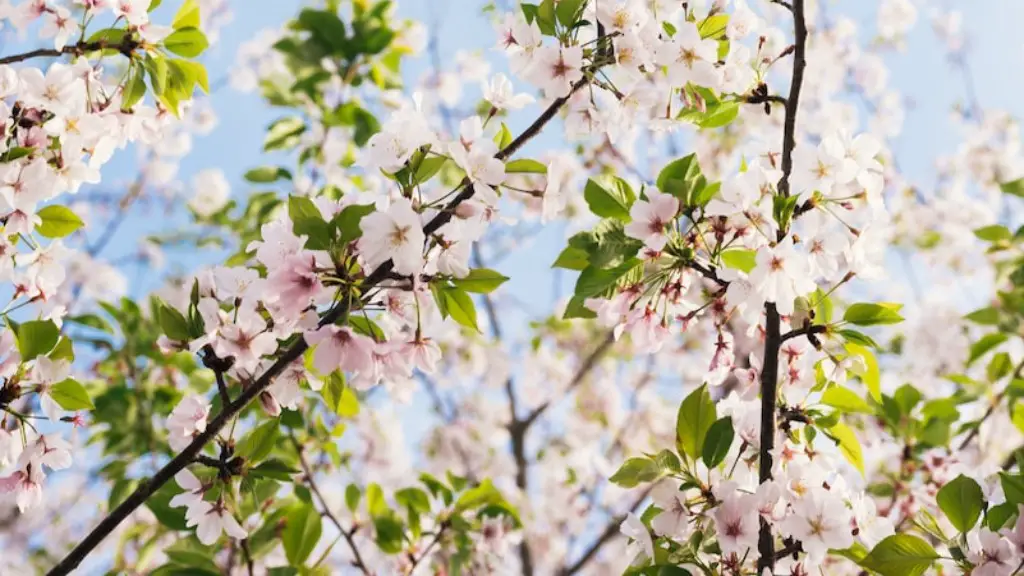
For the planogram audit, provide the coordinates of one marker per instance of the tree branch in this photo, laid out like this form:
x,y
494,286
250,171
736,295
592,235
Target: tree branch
x,y
291,354
126,47
588,365
773,339
609,532
992,408
347,534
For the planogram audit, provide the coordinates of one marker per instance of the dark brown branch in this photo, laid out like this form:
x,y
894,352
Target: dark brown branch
x,y
805,331
773,339
229,411
609,532
311,482
793,100
248,556
126,47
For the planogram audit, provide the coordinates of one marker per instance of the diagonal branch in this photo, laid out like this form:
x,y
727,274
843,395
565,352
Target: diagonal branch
x,y
609,532
347,534
291,354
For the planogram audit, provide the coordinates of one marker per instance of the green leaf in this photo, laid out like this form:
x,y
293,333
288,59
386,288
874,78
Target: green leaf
x,y
57,221
172,322
267,174
301,533
503,138
187,42
284,133
348,221
390,532
871,377
192,72
845,400
567,11
985,345
901,555
696,415
870,314
187,16
134,88
680,177
717,442
740,259
999,367
157,69
988,316
480,281
1015,187
352,496
326,27
961,500
713,26
720,115
455,302
572,259
71,395
36,338
993,233
476,497
635,471
428,167
159,505
609,202
275,469
1013,487
594,281
525,166
307,221
64,350
858,338
546,17
258,443
848,445
339,397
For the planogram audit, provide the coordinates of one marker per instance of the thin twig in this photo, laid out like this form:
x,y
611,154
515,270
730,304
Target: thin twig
x,y
991,408
609,532
311,482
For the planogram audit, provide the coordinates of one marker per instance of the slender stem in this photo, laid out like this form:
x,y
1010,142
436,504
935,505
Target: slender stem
x,y
609,532
248,556
229,411
991,408
311,482
433,542
773,339
588,365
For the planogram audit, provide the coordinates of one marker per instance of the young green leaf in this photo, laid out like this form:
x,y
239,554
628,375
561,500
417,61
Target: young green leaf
x,y
696,415
71,395
961,500
57,221
301,533
717,442
901,555
871,314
